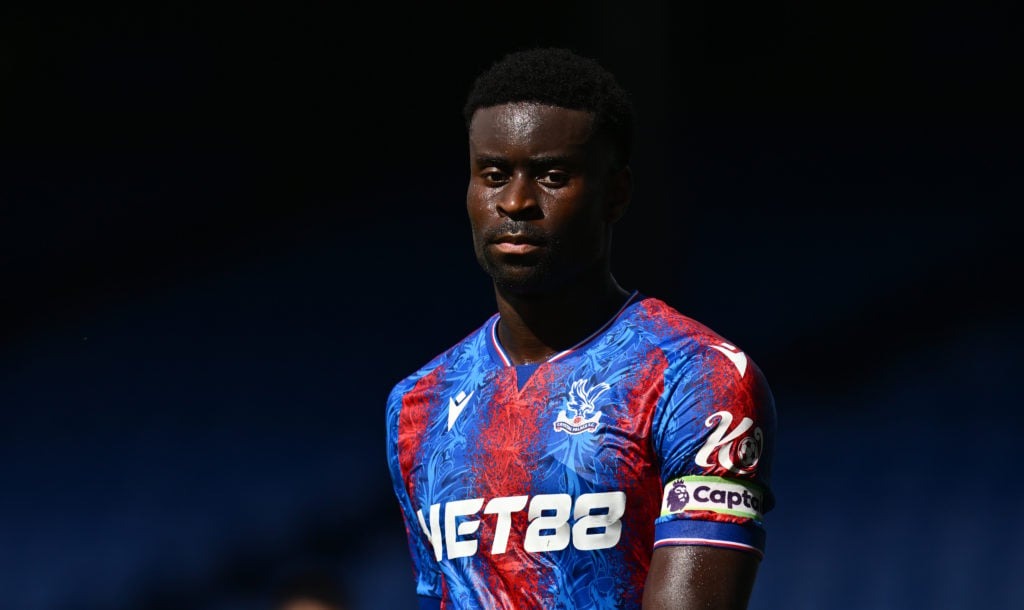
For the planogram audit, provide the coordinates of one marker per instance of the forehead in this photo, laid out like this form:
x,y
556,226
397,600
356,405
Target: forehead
x,y
525,125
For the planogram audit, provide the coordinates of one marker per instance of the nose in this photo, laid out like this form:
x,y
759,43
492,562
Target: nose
x,y
519,198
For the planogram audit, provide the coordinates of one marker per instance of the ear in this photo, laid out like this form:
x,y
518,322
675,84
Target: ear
x,y
620,193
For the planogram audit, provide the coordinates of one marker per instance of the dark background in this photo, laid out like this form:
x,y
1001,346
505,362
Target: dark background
x,y
227,231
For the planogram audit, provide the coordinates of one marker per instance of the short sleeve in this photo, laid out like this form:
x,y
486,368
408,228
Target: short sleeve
x,y
713,431
425,568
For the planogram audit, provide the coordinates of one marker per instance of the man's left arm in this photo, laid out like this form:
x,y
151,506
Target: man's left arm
x,y
704,577
714,433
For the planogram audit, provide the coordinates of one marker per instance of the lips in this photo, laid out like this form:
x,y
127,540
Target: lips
x,y
515,243
516,238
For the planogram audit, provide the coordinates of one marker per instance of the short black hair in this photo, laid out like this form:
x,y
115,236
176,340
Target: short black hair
x,y
558,77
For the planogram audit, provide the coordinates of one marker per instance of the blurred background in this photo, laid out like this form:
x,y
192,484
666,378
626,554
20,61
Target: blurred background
x,y
227,231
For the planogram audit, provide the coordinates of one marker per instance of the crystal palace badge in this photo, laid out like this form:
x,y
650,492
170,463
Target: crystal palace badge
x,y
580,414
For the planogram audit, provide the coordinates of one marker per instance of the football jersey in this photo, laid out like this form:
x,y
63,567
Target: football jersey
x,y
550,485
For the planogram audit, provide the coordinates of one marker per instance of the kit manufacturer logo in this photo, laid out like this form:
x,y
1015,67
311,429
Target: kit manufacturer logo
x,y
456,405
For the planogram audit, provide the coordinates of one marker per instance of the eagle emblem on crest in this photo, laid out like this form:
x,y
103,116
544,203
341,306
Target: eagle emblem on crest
x,y
580,413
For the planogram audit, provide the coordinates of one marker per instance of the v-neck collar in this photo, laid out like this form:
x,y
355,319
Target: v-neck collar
x,y
502,359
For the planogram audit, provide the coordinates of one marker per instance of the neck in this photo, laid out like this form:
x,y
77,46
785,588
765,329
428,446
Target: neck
x,y
534,327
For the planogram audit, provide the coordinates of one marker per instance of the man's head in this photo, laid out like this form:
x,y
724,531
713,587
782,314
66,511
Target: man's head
x,y
563,78
550,140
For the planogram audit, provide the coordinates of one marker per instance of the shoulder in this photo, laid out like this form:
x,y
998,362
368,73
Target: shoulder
x,y
469,349
699,357
675,333
717,414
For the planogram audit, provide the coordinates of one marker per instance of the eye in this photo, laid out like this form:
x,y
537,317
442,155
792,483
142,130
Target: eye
x,y
493,176
554,178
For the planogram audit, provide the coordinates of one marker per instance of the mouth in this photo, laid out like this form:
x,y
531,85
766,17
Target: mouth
x,y
515,243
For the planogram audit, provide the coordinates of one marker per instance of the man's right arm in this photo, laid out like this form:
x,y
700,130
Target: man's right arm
x,y
426,575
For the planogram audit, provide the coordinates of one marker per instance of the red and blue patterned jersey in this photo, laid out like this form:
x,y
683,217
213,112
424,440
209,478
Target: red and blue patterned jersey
x,y
549,486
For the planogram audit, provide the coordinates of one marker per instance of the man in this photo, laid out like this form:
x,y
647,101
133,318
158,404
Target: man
x,y
587,446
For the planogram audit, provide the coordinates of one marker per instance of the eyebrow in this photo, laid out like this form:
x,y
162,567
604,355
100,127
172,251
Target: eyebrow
x,y
488,160
542,161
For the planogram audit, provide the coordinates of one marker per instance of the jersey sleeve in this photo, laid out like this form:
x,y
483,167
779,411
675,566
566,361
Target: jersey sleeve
x,y
713,431
424,566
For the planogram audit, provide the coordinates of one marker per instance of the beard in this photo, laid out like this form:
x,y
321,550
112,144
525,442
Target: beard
x,y
557,261
529,273
524,274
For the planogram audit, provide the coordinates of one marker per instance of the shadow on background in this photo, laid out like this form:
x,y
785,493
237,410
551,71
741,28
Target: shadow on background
x,y
227,233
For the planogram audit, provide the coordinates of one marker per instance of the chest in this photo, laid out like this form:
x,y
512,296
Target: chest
x,y
564,431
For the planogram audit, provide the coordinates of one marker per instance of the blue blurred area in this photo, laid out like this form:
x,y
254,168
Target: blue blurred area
x,y
225,236
154,443
897,494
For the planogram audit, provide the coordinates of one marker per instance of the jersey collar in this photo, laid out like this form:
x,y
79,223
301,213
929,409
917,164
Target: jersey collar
x,y
503,356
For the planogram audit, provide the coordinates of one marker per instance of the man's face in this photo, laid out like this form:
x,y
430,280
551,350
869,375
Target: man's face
x,y
542,195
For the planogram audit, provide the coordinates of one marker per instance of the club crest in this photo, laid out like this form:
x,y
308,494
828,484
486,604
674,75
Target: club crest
x,y
580,413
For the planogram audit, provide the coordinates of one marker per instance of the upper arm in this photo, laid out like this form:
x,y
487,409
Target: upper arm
x,y
714,435
691,577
